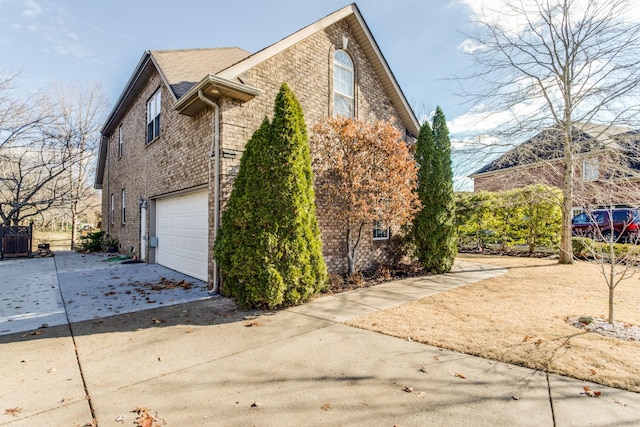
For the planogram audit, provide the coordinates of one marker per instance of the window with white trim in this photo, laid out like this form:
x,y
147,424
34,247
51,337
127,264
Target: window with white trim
x,y
120,141
153,117
113,208
380,231
590,169
124,206
342,84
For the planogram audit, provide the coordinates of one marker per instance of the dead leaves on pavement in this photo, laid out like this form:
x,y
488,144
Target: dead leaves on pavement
x,y
146,419
13,411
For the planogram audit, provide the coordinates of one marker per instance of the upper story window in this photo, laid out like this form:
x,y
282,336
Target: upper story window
x,y
153,117
590,169
120,141
342,84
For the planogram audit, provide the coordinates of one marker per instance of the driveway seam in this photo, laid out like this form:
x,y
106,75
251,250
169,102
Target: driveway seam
x,y
553,415
75,348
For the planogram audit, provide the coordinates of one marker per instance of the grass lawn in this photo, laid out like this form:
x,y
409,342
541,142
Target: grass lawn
x,y
520,318
59,240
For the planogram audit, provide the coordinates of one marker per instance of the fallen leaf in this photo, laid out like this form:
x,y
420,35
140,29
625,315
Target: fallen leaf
x,y
13,411
528,337
121,418
538,342
593,371
145,419
435,358
423,369
156,321
459,375
326,407
256,404
51,370
591,393
250,324
515,397
65,400
408,389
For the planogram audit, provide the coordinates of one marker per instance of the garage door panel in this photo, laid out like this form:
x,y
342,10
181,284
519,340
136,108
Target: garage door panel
x,y
182,229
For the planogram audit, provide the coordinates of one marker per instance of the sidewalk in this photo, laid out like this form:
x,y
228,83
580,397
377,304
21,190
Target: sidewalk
x,y
206,363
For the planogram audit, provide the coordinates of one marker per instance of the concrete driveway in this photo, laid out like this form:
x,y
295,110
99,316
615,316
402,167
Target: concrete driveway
x,y
206,363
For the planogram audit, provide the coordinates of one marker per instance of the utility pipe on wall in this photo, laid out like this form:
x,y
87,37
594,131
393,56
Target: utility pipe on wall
x,y
214,152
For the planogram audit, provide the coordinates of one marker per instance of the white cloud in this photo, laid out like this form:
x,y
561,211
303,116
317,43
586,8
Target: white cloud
x,y
32,9
469,46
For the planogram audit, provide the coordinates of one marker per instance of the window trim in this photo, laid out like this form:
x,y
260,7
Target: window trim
x,y
154,123
113,208
378,226
337,94
591,169
123,208
120,142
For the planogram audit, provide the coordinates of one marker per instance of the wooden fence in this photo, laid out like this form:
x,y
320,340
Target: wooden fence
x,y
16,241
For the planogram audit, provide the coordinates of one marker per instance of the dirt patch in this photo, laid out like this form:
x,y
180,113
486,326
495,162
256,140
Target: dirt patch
x,y
523,318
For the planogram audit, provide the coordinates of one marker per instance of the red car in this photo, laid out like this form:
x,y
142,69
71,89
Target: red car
x,y
599,224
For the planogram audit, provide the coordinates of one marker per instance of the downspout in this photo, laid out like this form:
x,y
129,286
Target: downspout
x,y
108,159
214,152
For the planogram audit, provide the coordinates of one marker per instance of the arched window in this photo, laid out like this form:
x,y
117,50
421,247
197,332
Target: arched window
x,y
342,84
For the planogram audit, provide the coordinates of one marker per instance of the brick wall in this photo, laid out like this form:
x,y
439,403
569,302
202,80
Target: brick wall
x,y
178,159
174,161
307,68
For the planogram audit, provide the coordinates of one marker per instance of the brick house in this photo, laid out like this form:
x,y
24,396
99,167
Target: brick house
x,y
172,143
606,161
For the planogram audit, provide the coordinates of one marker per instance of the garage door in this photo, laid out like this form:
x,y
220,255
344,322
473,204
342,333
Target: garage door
x,y
182,228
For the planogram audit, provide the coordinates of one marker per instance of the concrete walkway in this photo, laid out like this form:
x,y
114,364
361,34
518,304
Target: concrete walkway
x,y
206,363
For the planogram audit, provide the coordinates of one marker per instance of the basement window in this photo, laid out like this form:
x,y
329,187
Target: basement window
x,y
380,231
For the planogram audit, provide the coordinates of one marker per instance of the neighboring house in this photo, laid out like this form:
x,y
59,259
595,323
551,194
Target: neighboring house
x,y
172,144
606,164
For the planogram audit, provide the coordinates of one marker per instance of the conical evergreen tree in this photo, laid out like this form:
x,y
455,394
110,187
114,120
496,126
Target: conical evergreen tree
x,y
434,228
268,247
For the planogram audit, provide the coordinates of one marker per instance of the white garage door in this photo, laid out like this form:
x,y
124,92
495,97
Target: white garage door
x,y
182,228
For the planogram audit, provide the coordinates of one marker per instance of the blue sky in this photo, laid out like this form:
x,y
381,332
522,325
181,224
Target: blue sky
x,y
102,41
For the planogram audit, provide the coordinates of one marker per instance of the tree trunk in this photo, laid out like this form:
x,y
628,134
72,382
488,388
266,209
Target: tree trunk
x,y
612,276
566,246
74,221
352,248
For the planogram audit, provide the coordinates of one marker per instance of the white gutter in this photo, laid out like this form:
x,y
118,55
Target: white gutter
x,y
214,152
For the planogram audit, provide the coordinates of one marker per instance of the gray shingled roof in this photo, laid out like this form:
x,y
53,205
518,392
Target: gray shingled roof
x,y
185,67
546,145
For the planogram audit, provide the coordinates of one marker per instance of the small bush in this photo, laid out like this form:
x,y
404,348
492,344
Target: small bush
x,y
92,242
585,320
383,272
356,279
584,247
580,248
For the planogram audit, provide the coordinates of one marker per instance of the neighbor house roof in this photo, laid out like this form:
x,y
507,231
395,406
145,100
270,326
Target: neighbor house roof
x,y
546,146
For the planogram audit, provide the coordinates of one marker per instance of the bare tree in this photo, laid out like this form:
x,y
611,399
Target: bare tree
x,y
47,143
558,65
80,112
19,118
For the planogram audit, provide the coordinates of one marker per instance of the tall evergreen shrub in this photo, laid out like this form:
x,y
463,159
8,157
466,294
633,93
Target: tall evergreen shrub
x,y
434,228
268,247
